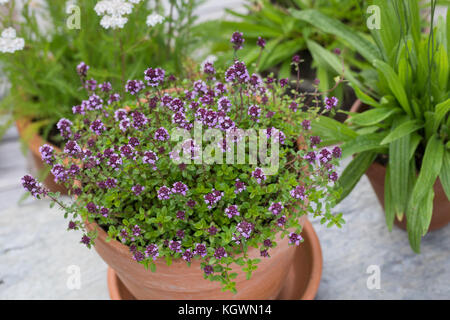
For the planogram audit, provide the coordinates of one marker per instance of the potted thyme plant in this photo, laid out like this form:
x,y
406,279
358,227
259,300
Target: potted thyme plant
x,y
158,184
43,41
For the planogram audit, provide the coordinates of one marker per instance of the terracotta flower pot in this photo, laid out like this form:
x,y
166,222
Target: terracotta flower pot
x,y
34,143
441,206
179,281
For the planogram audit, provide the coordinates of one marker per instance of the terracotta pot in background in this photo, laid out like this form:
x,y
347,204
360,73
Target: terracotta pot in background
x,y
34,143
441,206
179,281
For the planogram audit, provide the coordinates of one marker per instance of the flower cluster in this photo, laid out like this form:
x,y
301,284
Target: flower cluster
x,y
156,194
9,42
114,12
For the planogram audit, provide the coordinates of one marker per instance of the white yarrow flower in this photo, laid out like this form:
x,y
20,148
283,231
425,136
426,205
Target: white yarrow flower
x,y
113,12
154,19
9,43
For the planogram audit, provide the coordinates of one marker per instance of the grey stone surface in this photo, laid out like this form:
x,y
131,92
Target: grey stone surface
x,y
36,250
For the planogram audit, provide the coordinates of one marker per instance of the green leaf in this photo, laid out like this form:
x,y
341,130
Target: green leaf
x,y
399,166
337,28
362,143
417,211
330,129
441,110
388,205
394,84
402,130
444,176
366,99
354,171
373,116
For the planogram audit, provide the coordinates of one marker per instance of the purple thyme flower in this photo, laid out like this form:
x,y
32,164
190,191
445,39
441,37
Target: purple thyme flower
x,y
188,255
80,109
310,156
175,246
213,198
281,221
124,124
164,193
177,105
254,112
259,175
324,155
72,148
137,189
104,212
331,102
136,230
105,86
73,170
232,211
179,187
115,161
191,203
150,158
134,86
220,88
85,240
337,152
208,270
239,186
224,104
82,69
181,215
268,243
154,77
226,123
162,134
64,127
237,73
264,253
120,114
220,253
61,175
113,98
212,230
261,43
72,225
208,68
152,251
138,256
245,229
127,151
47,153
91,84
180,234
284,82
31,185
111,183
333,176
306,124
94,103
200,249
276,208
97,127
91,207
315,140
139,120
237,40
295,238
298,192
296,59
293,106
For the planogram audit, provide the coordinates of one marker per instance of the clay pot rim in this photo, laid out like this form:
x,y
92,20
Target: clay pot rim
x,y
35,141
123,249
312,285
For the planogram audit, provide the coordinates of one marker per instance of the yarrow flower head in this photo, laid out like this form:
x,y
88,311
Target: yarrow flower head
x,y
154,19
113,12
9,42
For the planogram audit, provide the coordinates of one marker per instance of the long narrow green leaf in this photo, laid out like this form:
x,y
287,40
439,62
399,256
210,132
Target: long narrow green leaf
x,y
337,28
330,129
399,164
366,99
444,175
431,167
441,110
394,84
354,171
402,130
388,205
374,116
363,143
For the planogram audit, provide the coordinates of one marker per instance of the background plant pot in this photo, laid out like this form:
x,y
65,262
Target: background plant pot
x,y
34,142
376,174
179,281
441,206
